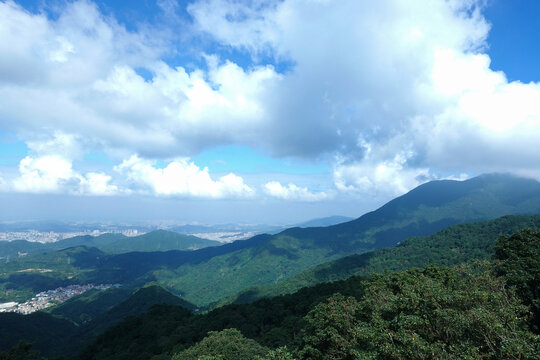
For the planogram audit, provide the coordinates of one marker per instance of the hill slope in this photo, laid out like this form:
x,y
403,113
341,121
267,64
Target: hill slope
x,y
451,246
54,334
326,221
44,330
204,277
437,307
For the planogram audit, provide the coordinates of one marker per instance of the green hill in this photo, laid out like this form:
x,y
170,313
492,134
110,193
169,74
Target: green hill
x,y
279,321
205,276
55,334
10,249
326,221
158,240
137,303
449,313
449,247
88,306
44,330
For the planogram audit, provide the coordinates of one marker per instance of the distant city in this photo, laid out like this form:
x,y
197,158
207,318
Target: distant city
x,y
51,231
52,236
49,298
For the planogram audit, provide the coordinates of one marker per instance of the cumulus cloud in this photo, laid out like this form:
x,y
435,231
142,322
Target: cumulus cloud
x,y
402,81
68,146
394,90
97,183
293,192
54,174
77,74
387,178
182,178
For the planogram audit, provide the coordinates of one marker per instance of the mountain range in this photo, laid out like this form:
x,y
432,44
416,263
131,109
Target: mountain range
x,y
214,273
112,243
205,276
122,320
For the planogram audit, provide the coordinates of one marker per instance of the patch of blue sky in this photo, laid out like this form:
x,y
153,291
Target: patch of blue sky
x,y
513,39
131,14
186,50
190,55
12,150
161,164
38,6
243,159
98,158
146,74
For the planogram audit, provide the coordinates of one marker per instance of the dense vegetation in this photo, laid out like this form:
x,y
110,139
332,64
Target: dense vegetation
x,y
89,305
449,247
518,262
480,310
468,311
68,334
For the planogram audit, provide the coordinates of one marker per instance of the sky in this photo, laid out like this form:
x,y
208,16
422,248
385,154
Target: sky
x,y
216,111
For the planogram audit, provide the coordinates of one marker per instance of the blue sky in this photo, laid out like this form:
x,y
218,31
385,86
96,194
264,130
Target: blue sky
x,y
260,111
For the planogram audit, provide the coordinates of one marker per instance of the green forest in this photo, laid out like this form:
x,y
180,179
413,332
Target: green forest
x,y
477,310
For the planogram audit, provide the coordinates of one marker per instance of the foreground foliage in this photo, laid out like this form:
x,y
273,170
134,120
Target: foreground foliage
x,y
418,314
228,344
463,243
517,260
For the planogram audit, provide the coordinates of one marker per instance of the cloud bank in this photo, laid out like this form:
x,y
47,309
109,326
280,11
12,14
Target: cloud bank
x,y
293,192
182,178
382,90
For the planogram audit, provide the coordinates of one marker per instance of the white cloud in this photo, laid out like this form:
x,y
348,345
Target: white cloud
x,y
98,184
366,80
182,178
54,174
76,75
43,174
402,81
293,192
62,51
386,178
68,146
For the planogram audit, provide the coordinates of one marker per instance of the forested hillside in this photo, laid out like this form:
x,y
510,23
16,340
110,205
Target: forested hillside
x,y
64,332
480,311
454,245
506,289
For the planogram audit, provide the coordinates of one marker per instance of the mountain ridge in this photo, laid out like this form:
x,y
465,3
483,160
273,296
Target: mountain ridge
x,y
113,243
207,275
451,246
421,212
